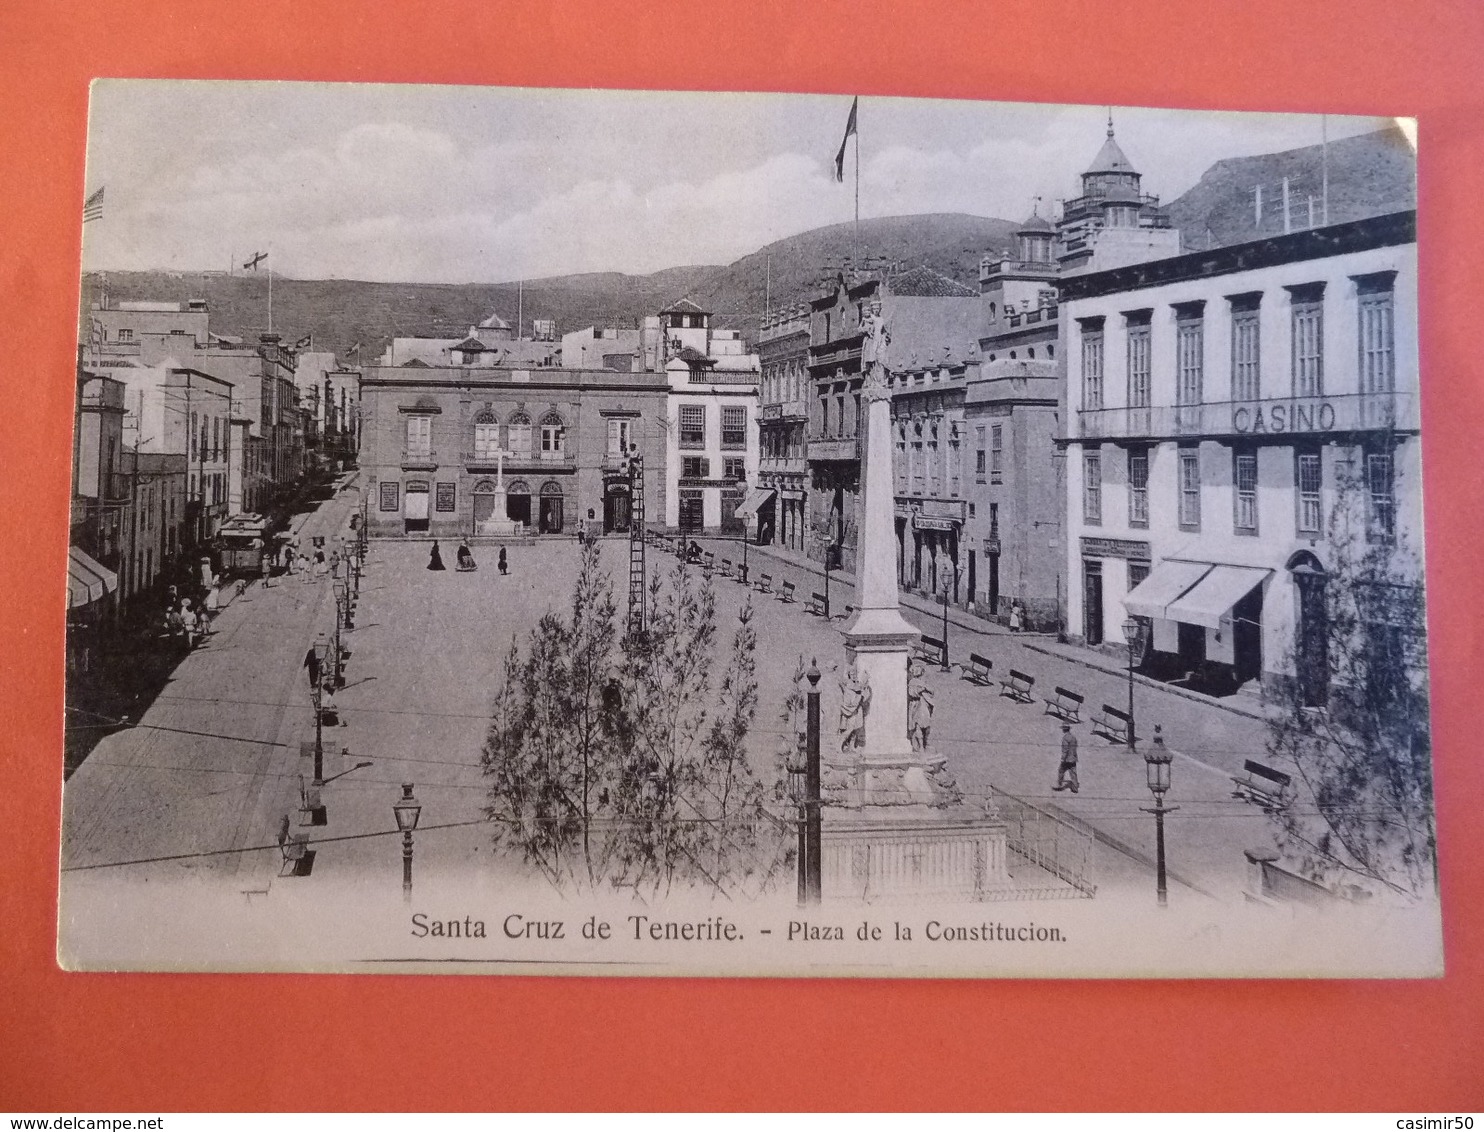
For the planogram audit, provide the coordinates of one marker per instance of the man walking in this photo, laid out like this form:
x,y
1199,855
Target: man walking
x,y
1066,774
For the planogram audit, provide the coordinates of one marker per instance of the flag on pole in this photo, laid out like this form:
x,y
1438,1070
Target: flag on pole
x,y
255,259
355,351
92,208
849,129
305,343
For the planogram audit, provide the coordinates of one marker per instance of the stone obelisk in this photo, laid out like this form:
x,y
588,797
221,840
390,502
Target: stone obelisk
x,y
883,769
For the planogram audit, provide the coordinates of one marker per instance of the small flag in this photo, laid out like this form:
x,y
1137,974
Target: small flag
x,y
255,259
849,129
304,343
354,351
92,208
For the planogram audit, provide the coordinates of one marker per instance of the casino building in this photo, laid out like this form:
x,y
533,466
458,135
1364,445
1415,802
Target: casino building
x,y
1234,420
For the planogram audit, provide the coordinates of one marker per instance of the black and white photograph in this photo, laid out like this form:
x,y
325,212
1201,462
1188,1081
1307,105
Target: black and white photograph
x,y
638,533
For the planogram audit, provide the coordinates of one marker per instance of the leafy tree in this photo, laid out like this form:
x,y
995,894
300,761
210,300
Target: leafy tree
x,y
623,760
1363,760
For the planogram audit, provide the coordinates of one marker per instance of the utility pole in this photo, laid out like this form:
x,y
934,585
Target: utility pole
x,y
813,836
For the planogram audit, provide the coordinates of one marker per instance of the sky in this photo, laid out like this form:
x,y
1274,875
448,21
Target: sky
x,y
484,184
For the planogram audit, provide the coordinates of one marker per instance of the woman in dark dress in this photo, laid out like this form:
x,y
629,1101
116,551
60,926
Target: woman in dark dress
x,y
503,564
435,560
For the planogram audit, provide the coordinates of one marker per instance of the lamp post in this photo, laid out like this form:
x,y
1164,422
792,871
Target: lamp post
x,y
1131,638
1157,762
813,875
407,810
946,576
317,676
829,556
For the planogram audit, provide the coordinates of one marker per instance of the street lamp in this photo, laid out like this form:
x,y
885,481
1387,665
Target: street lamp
x,y
946,576
811,865
407,810
1131,638
1157,763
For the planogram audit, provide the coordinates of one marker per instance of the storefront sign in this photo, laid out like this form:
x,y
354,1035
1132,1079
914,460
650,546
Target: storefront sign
x,y
991,546
925,523
1313,415
1115,548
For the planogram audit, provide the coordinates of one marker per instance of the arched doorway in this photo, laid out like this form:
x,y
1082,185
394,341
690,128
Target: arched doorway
x,y
485,500
1311,651
518,502
617,500
551,508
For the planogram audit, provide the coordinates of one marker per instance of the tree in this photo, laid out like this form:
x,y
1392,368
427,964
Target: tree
x,y
1363,758
624,760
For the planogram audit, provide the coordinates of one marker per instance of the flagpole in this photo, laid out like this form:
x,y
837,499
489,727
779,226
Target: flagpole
x,y
270,291
859,265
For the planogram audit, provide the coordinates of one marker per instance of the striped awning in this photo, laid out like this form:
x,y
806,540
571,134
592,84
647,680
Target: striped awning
x,y
755,499
87,581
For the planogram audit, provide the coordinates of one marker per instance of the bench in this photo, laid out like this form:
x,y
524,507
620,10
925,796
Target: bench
x,y
1263,785
726,567
708,562
786,593
816,605
978,669
1018,687
1065,705
1114,724
764,584
929,649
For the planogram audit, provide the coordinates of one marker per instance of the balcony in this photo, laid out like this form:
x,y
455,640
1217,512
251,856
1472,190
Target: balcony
x,y
419,459
782,465
835,448
1277,416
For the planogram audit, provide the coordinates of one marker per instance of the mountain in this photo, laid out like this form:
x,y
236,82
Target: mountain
x,y
1369,174
341,312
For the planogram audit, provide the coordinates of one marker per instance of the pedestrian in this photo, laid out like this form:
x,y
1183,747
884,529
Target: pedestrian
x,y
1066,773
303,561
466,556
504,566
311,662
435,559
1015,617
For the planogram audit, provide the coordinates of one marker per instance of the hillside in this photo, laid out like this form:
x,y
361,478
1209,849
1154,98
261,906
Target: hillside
x,y
343,312
1369,174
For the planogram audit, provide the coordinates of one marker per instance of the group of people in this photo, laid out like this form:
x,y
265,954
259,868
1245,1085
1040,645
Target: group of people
x,y
188,620
464,560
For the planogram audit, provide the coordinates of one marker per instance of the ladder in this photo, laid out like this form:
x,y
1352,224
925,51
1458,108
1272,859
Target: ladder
x,y
636,544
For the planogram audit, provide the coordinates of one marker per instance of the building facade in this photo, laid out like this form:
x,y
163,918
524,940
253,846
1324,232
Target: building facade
x,y
783,416
1237,422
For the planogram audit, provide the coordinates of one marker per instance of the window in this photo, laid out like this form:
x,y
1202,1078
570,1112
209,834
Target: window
x,y
216,438
486,437
994,521
125,334
840,415
1246,349
996,453
444,497
934,467
1138,488
1244,479
620,435
1092,488
1308,340
419,437
900,463
519,437
1190,346
553,438
954,457
917,457
695,467
1309,474
388,496
1190,489
733,426
1377,331
1381,518
979,464
733,468
693,426
1092,363
193,441
1138,359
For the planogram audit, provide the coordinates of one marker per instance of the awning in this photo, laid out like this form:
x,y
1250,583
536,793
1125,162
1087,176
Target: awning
x,y
86,580
754,501
1165,583
1212,598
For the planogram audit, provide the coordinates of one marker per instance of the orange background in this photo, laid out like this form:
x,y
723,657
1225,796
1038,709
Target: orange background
x,y
141,1042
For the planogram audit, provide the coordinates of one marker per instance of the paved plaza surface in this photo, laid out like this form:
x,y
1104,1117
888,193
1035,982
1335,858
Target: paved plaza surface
x,y
200,786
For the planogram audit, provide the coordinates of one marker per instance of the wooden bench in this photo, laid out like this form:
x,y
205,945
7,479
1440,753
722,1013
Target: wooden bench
x,y
726,568
1263,785
1065,705
786,593
816,605
708,562
1018,687
764,584
1114,724
929,649
979,669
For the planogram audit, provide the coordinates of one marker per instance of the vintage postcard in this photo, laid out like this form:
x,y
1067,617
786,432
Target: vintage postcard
x,y
642,533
